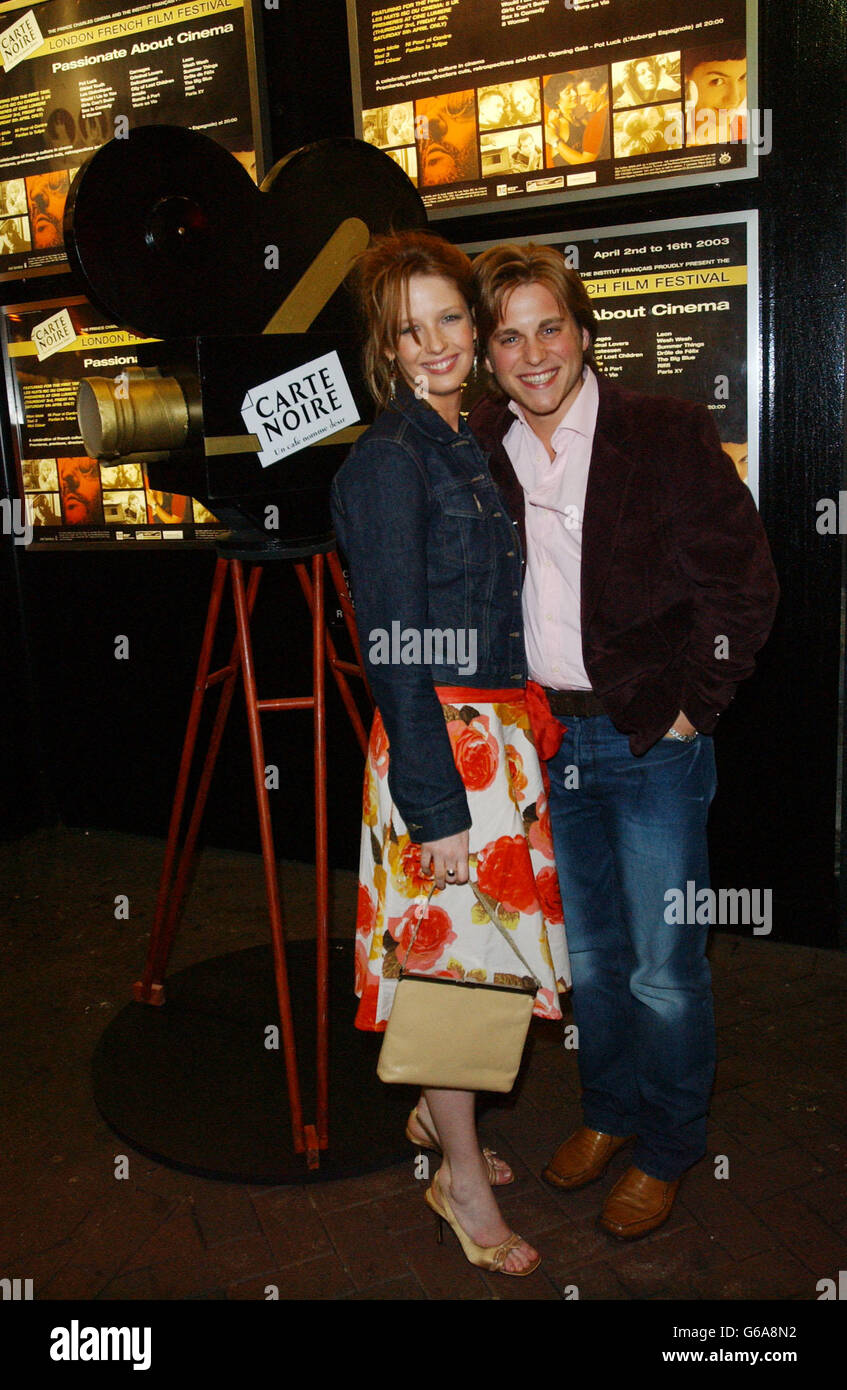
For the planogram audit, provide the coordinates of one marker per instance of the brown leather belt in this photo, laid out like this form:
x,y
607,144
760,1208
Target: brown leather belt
x,y
580,703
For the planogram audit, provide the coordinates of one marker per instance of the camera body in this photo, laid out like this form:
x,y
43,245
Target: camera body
x,y
253,394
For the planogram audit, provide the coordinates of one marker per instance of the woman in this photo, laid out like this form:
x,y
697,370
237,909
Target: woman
x,y
562,128
452,785
716,94
645,81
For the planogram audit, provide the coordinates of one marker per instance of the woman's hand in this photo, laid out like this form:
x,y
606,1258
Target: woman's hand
x,y
447,859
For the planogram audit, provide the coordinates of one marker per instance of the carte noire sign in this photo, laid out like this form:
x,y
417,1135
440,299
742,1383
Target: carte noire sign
x,y
299,408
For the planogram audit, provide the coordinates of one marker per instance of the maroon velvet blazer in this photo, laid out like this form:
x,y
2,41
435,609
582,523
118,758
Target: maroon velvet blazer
x,y
678,586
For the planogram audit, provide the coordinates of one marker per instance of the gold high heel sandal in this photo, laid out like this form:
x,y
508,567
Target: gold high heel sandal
x,y
431,1142
490,1257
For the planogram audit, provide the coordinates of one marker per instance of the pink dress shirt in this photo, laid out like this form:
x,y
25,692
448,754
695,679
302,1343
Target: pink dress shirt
x,y
555,501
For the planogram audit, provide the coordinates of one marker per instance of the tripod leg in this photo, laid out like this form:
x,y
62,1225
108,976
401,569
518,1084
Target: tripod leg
x,y
321,851
337,666
186,860
268,857
313,590
149,988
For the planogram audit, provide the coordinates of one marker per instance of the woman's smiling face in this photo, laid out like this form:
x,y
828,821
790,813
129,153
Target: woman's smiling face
x,y
435,341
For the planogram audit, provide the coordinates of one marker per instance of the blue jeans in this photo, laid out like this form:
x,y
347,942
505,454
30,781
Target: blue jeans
x,y
627,832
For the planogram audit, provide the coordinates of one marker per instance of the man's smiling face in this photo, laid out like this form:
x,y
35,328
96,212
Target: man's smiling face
x,y
536,355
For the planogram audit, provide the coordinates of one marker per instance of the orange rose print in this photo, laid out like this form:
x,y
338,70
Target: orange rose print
x,y
541,832
515,715
517,777
404,862
361,966
504,871
379,745
547,883
434,935
475,752
370,803
365,912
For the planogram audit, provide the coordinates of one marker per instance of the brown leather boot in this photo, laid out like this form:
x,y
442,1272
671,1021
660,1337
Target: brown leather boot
x,y
637,1205
583,1158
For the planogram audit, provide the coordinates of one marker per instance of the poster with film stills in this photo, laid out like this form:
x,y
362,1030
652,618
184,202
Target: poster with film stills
x,y
534,101
676,304
71,499
74,67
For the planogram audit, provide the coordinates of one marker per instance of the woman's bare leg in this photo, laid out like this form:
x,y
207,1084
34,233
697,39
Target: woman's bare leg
x,y
426,1122
463,1175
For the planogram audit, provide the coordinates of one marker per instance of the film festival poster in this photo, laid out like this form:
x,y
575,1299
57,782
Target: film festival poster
x,y
69,497
74,69
532,101
677,315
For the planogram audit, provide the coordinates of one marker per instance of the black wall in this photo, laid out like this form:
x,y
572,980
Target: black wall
x,y
95,741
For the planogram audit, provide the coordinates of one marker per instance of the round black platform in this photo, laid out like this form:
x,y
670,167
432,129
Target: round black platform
x,y
192,1084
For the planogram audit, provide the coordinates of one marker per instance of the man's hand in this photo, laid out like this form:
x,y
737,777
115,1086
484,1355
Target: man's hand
x,y
683,725
447,858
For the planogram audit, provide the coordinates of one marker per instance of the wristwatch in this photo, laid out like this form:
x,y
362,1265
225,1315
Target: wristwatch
x,y
681,738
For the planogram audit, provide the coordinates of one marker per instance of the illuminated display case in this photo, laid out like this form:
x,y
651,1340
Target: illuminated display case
x,y
77,75
527,102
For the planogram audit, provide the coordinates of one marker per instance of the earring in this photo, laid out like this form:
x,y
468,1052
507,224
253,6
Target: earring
x,y
392,388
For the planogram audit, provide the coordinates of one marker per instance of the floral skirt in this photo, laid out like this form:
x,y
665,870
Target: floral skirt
x,y
511,859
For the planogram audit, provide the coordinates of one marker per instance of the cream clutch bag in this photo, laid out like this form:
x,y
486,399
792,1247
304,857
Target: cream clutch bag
x,y
457,1034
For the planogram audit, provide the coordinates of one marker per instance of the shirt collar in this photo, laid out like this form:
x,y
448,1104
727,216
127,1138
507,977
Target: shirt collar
x,y
582,416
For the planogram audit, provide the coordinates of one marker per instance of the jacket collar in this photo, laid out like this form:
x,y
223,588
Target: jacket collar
x,y
614,417
492,419
421,414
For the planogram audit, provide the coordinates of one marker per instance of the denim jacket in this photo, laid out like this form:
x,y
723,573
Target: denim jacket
x,y
435,569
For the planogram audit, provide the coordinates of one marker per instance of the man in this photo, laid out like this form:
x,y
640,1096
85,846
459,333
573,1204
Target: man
x,y
46,195
82,498
526,156
593,93
648,589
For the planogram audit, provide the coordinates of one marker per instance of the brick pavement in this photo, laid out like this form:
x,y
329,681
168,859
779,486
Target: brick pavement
x,y
770,1230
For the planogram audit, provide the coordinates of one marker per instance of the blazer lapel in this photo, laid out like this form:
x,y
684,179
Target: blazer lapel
x,y
608,479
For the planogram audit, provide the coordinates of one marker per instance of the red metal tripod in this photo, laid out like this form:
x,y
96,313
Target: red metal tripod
x,y
176,870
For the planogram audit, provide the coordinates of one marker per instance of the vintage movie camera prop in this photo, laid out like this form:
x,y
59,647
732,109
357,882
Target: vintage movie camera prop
x,y
254,395
248,401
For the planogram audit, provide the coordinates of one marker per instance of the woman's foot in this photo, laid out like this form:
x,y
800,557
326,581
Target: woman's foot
x,y
420,1129
474,1208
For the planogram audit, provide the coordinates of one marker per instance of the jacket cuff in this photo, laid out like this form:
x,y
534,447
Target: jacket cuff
x,y
702,713
447,817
